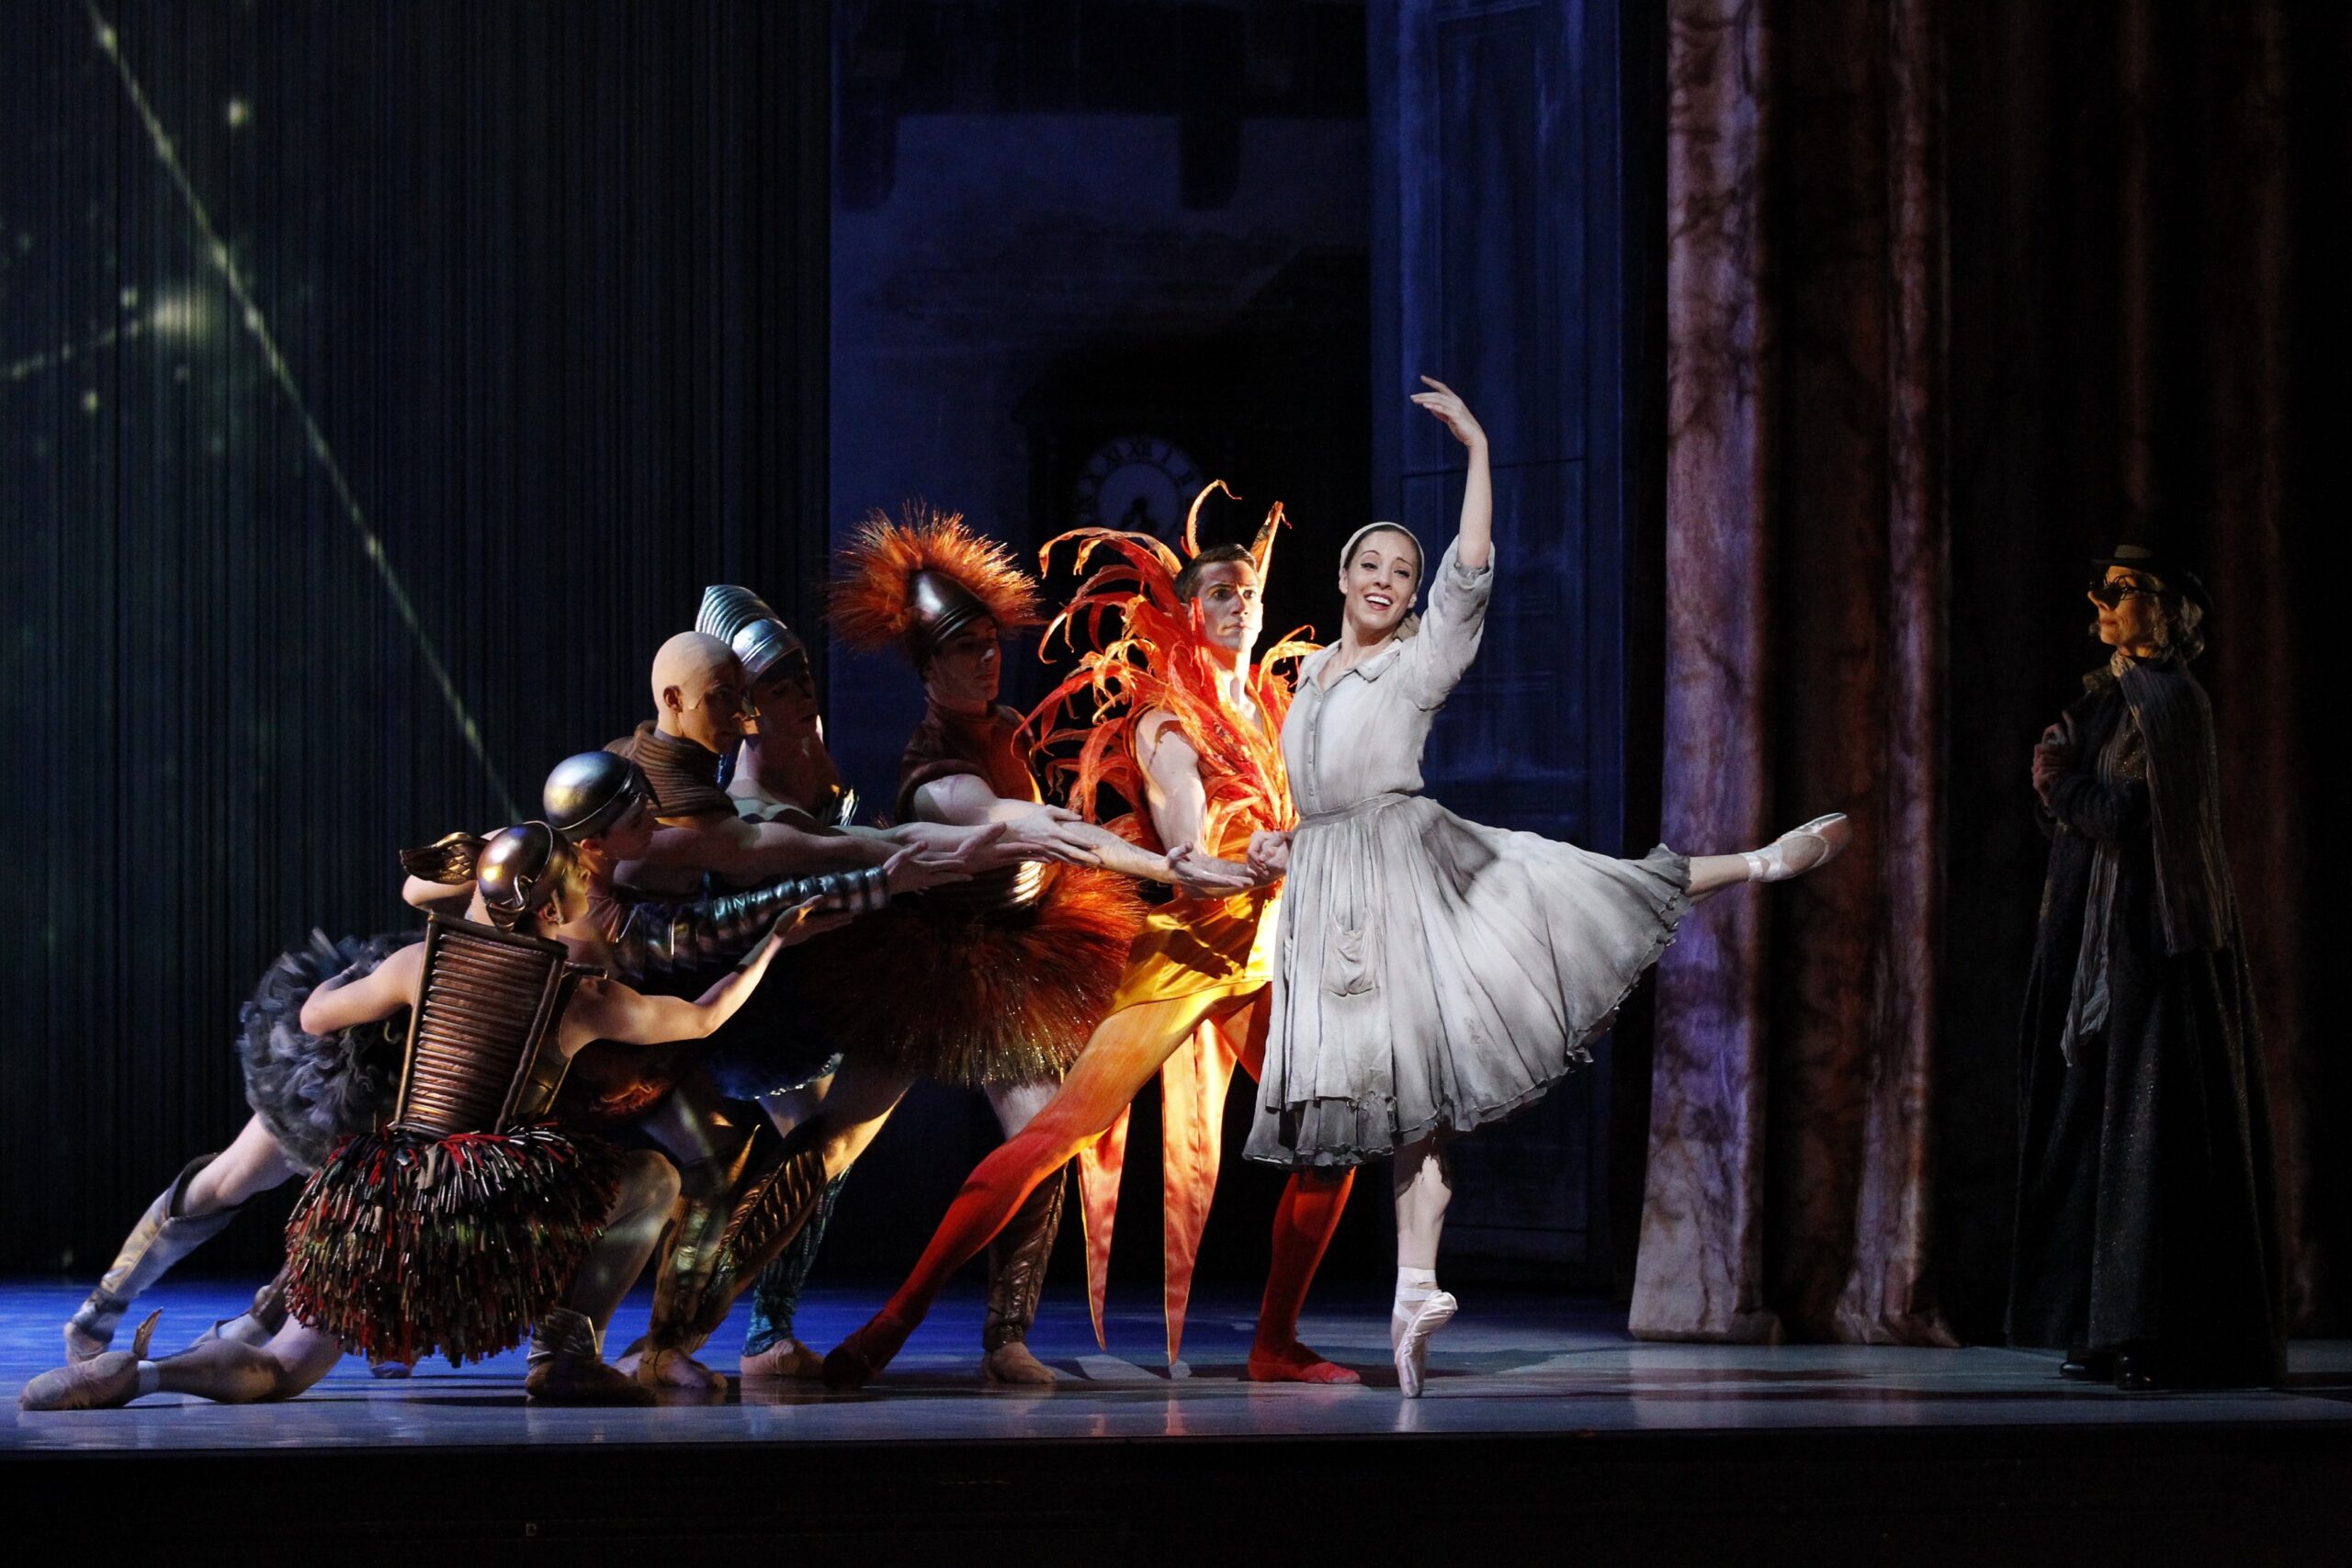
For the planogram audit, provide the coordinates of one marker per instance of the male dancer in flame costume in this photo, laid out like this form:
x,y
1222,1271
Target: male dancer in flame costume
x,y
1187,730
996,984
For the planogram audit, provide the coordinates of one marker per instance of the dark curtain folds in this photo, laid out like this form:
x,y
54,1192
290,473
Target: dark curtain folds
x,y
543,287
1958,297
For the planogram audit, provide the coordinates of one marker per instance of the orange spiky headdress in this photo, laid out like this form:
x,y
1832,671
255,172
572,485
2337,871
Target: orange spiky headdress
x,y
1158,660
1262,546
917,580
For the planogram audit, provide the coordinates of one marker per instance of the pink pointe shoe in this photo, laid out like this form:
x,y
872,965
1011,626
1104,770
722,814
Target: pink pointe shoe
x,y
1413,1338
106,1381
1800,850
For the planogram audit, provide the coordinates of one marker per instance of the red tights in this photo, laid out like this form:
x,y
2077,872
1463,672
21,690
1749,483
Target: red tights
x,y
1125,1053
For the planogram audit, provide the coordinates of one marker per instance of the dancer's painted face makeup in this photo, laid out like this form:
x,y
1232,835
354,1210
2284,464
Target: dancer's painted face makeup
x,y
1382,575
1231,614
967,669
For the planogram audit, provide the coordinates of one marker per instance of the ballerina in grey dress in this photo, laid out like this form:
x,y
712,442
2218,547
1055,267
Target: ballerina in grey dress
x,y
1433,974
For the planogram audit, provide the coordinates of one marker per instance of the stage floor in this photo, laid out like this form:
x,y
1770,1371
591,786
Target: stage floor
x,y
1542,1417
1509,1365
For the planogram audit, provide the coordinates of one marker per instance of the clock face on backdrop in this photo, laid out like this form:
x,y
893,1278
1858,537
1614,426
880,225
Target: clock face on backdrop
x,y
1143,483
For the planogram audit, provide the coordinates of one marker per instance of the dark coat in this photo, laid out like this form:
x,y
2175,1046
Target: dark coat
x,y
2145,1217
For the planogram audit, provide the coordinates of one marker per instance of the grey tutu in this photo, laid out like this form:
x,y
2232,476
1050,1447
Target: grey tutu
x,y
1430,972
314,1090
1437,973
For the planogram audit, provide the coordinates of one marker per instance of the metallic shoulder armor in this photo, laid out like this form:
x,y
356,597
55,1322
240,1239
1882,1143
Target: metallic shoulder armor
x,y
660,938
480,1056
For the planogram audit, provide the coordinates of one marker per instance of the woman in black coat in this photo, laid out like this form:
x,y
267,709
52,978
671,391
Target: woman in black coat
x,y
2147,1239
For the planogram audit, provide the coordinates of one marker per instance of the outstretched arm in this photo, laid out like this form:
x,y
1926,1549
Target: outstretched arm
x,y
966,800
1476,546
418,893
745,852
607,1009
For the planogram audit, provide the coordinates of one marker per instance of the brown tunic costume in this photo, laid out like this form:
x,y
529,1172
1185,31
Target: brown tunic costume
x,y
997,980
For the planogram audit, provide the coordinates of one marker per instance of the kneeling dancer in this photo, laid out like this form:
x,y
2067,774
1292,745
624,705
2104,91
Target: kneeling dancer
x,y
469,1215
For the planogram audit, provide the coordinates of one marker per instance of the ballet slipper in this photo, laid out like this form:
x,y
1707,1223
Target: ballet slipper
x,y
106,1381
786,1359
1295,1364
568,1378
1800,850
1435,1312
859,1359
1011,1364
675,1371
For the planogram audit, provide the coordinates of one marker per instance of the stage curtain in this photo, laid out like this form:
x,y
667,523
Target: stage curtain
x,y
1957,298
1805,574
382,385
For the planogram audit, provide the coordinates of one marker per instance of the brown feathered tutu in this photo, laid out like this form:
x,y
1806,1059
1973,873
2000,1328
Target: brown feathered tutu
x,y
935,990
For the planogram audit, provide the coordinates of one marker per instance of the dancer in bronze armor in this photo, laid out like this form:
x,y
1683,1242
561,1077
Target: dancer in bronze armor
x,y
464,1279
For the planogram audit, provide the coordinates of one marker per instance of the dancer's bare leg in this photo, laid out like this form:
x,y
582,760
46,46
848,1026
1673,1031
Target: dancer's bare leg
x,y
859,1102
1710,875
1017,1257
1422,1191
195,1207
252,1164
789,1110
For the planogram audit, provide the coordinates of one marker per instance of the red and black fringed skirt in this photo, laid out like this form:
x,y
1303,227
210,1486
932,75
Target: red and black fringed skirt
x,y
407,1245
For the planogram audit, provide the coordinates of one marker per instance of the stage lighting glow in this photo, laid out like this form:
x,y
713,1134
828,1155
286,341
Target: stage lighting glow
x,y
216,251
185,314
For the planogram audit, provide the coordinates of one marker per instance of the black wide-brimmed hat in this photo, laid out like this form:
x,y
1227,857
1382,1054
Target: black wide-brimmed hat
x,y
2164,566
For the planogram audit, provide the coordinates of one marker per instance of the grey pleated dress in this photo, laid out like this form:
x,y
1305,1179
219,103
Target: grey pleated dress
x,y
1431,972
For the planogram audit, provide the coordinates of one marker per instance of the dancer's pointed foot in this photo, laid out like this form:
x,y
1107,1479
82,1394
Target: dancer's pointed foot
x,y
786,1359
1800,850
859,1359
90,1331
1413,1338
1294,1362
675,1371
568,1377
102,1381
1012,1364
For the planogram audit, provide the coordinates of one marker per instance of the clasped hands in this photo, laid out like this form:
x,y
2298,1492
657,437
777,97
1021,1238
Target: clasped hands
x,y
2055,753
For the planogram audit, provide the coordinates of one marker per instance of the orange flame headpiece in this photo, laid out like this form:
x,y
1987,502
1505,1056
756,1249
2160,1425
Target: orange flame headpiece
x,y
1158,660
920,578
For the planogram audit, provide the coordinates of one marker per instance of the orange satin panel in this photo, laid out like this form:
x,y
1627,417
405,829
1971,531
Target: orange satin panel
x,y
1194,948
